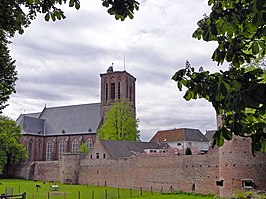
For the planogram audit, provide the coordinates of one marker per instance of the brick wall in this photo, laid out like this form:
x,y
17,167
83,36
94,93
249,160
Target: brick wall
x,y
231,163
178,172
48,171
238,163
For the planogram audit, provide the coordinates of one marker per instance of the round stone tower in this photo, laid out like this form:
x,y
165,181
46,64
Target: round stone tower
x,y
239,169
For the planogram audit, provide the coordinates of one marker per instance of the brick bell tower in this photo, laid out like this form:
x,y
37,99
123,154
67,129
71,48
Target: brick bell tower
x,y
116,86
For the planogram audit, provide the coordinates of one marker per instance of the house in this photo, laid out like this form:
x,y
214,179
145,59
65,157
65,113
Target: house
x,y
56,130
183,138
114,149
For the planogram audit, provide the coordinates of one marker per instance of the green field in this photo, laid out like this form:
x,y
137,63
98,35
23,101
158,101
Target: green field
x,y
79,191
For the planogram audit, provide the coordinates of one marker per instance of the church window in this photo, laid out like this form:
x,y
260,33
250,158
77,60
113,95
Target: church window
x,y
104,156
49,150
97,155
118,90
61,149
89,143
179,144
106,92
39,150
112,91
75,145
30,150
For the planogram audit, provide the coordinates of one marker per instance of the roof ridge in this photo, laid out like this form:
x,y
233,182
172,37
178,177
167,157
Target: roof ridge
x,y
72,105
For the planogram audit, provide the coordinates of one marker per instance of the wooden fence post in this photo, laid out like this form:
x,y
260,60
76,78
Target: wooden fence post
x,y
106,196
151,191
141,191
92,194
130,193
48,195
79,195
118,194
24,195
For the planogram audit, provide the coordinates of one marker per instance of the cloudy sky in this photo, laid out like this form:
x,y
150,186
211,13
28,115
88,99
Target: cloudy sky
x,y
59,63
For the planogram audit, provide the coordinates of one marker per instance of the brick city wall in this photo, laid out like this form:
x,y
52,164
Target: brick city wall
x,y
231,163
237,164
47,171
162,173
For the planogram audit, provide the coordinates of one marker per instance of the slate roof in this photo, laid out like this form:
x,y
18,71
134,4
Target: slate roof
x,y
75,119
182,134
32,125
122,149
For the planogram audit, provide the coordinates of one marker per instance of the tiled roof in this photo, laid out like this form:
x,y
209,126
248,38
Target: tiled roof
x,y
76,119
182,134
121,149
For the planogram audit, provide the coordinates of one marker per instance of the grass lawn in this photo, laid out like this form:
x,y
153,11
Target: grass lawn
x,y
78,191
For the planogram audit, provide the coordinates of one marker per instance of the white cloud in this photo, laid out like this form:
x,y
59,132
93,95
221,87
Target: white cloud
x,y
59,62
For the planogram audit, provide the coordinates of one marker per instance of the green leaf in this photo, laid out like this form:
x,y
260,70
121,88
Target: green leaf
x,y
47,16
53,16
77,5
255,48
71,3
260,4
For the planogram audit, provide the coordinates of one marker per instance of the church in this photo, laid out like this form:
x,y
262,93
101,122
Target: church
x,y
56,130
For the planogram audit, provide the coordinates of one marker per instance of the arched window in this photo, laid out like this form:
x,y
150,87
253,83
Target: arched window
x,y
49,150
61,149
89,143
39,150
30,150
75,145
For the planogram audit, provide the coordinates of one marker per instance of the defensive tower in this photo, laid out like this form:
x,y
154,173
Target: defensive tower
x,y
238,168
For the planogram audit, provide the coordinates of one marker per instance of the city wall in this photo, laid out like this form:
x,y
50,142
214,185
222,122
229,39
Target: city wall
x,y
188,173
228,167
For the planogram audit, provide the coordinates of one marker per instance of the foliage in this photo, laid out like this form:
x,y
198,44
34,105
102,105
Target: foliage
x,y
11,150
121,10
83,149
238,94
248,194
8,75
120,123
188,151
238,27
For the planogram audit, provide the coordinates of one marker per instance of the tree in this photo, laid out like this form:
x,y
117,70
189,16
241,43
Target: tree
x,y
8,75
120,123
83,149
238,94
11,150
15,16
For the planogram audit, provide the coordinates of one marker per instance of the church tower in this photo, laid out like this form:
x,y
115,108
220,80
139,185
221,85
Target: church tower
x,y
116,86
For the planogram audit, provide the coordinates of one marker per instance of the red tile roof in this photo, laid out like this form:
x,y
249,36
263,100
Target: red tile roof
x,y
179,135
